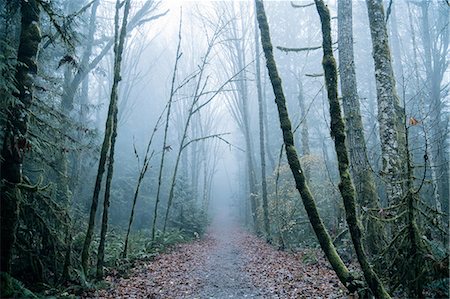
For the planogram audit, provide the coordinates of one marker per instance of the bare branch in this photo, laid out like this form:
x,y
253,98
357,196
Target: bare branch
x,y
301,5
314,75
284,49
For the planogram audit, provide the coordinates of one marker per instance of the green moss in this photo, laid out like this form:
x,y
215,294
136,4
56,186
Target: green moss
x,y
308,201
346,186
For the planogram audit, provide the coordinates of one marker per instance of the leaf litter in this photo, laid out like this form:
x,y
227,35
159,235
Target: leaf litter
x,y
227,263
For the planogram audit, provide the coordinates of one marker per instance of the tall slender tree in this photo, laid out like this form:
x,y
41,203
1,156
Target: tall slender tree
x,y
238,101
119,37
117,77
166,128
262,144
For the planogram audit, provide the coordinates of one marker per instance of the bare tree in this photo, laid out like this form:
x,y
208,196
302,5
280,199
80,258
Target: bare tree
x,y
194,107
107,147
166,128
235,51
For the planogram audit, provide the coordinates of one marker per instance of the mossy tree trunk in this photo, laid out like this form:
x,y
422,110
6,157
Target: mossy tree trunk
x,y
346,186
359,164
304,129
117,67
294,163
15,142
391,117
109,132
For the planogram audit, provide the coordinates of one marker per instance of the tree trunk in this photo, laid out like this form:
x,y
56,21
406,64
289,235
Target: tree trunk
x,y
261,136
251,174
15,142
346,186
304,130
117,67
390,113
308,201
110,124
397,52
359,164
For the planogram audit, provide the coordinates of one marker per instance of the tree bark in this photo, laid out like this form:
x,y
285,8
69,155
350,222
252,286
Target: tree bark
x,y
359,164
261,135
390,113
106,201
109,131
15,142
346,186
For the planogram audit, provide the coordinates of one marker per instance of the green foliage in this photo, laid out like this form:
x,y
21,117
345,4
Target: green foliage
x,y
18,290
286,209
7,74
438,288
40,239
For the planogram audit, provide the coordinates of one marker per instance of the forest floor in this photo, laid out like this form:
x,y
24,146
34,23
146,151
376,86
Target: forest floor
x,y
227,263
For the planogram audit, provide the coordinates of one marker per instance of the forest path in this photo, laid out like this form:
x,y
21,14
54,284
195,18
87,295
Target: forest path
x,y
228,263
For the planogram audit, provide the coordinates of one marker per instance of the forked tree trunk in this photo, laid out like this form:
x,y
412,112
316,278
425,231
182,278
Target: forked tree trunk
x,y
109,130
117,67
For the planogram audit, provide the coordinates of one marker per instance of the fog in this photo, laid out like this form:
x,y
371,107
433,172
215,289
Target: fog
x,y
149,58
139,124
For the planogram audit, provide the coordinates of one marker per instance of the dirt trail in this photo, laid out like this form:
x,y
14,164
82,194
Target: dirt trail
x,y
227,263
224,274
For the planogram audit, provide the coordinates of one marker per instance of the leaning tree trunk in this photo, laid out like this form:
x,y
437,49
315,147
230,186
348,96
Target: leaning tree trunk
x,y
118,49
346,186
261,136
16,142
359,164
323,237
116,80
390,113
